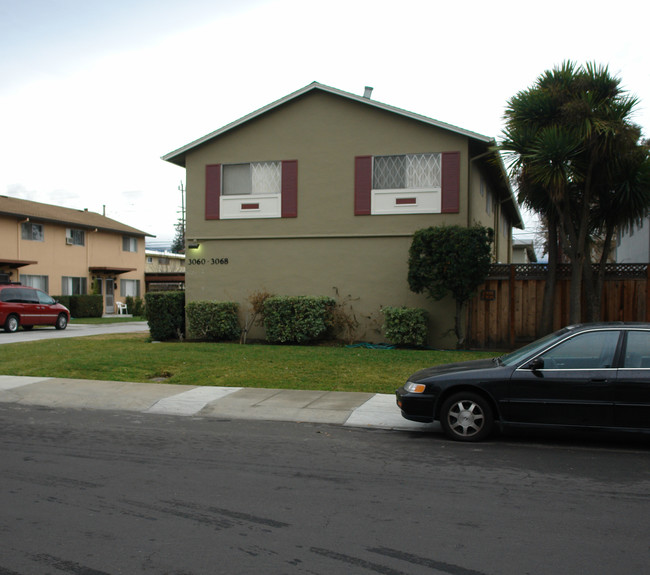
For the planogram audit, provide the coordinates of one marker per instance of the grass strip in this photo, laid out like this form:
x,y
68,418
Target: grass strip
x,y
133,357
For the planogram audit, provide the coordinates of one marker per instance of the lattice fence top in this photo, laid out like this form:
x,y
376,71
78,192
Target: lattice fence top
x,y
539,271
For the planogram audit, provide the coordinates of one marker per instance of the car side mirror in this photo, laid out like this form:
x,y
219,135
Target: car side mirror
x,y
537,363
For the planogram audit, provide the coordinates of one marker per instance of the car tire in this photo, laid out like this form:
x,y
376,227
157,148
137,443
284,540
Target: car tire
x,y
467,416
12,323
61,321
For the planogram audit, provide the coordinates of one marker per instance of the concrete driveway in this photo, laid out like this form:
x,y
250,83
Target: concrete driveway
x,y
73,330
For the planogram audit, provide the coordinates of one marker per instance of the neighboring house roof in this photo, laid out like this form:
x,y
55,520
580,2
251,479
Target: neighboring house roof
x,y
526,246
66,216
484,151
164,254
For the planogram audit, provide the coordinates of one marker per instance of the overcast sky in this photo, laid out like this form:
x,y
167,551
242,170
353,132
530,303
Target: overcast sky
x,y
94,92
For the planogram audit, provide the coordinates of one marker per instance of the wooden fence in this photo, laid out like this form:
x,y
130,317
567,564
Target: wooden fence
x,y
506,311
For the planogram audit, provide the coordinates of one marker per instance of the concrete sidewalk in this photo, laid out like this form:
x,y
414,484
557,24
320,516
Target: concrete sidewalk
x,y
333,407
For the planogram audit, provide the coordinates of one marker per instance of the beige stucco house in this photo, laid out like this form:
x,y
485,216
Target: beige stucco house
x,y
164,271
65,251
320,192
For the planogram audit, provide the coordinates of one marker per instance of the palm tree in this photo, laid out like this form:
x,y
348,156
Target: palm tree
x,y
565,136
624,202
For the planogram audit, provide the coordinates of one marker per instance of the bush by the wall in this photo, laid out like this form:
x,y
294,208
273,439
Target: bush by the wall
x,y
165,312
90,305
213,320
63,300
297,319
134,305
405,326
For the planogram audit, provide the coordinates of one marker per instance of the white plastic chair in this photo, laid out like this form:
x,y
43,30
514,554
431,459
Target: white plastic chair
x,y
121,308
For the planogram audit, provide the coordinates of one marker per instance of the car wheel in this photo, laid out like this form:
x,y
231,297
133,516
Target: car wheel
x,y
61,321
466,417
28,327
12,323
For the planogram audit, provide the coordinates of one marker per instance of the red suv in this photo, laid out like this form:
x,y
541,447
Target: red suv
x,y
28,306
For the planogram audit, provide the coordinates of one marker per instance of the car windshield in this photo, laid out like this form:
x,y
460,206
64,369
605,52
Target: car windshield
x,y
531,348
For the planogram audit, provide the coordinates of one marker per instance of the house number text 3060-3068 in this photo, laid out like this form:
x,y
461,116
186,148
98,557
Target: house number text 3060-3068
x,y
207,261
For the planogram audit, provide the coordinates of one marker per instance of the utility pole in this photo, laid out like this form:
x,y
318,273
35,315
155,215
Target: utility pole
x,y
179,240
182,190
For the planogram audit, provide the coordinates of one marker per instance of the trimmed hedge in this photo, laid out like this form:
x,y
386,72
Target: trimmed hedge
x,y
134,306
91,305
298,319
213,320
165,312
405,326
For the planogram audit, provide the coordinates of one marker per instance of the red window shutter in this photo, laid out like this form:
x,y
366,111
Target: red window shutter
x,y
362,185
450,182
212,191
290,189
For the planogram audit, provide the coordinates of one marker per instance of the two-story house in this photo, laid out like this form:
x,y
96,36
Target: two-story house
x,y
66,252
633,244
164,271
320,192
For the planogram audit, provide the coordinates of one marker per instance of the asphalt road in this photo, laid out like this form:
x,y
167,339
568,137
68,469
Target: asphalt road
x,y
101,492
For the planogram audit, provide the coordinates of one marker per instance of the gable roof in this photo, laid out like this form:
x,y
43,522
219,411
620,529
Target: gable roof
x,y
178,156
484,145
39,212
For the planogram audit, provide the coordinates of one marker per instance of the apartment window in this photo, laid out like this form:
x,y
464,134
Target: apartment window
x,y
252,179
75,237
32,232
73,286
149,260
130,288
163,261
409,171
129,244
426,183
39,282
252,190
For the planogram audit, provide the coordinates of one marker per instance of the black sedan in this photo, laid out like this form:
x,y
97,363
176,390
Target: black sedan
x,y
582,376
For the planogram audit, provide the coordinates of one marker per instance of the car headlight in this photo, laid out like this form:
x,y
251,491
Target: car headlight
x,y
413,387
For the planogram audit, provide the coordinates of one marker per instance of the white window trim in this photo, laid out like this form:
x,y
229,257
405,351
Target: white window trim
x,y
386,201
426,201
233,207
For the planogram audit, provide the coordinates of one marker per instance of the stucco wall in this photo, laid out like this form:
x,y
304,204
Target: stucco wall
x,y
365,274
326,246
56,259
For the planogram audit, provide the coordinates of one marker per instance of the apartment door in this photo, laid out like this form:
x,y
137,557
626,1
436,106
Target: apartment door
x,y
109,295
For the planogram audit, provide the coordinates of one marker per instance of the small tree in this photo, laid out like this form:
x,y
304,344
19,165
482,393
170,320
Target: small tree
x,y
178,245
450,259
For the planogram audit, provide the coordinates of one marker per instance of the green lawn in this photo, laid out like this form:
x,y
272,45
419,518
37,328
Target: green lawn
x,y
132,357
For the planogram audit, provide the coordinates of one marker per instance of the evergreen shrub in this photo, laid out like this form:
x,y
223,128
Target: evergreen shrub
x,y
165,313
405,326
213,320
297,319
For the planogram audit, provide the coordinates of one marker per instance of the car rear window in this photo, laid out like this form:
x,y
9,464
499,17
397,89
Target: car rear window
x,y
18,295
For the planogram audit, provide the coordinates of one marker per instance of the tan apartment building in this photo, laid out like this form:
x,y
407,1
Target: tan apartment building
x,y
164,271
320,192
66,252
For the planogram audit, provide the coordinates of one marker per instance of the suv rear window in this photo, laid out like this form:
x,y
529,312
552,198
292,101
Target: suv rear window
x,y
18,295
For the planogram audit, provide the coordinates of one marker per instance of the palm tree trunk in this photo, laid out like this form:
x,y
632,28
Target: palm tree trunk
x,y
574,246
600,275
548,302
460,337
